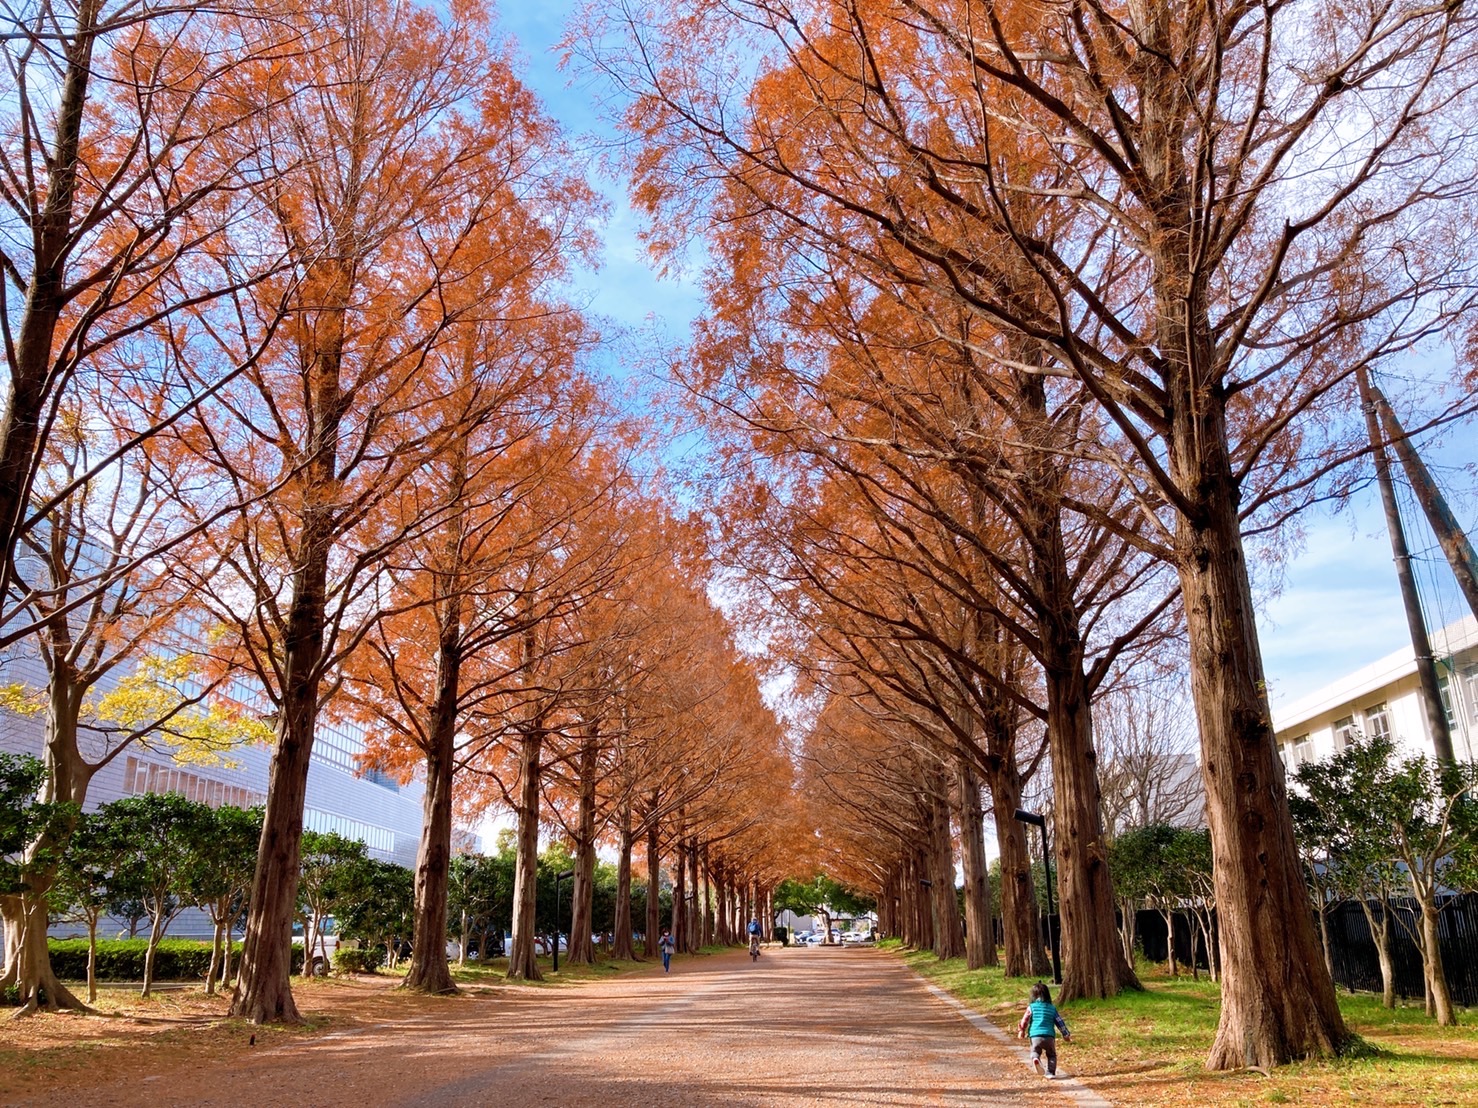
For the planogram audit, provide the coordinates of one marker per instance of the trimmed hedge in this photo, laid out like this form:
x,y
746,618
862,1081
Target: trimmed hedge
x,y
351,960
123,959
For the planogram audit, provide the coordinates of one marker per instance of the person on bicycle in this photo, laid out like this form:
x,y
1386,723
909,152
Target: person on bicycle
x,y
754,936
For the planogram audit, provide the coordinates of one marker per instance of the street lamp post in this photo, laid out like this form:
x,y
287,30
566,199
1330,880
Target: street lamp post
x,y
1039,821
558,877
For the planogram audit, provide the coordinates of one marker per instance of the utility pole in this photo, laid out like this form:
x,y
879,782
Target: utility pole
x,y
1449,532
1421,646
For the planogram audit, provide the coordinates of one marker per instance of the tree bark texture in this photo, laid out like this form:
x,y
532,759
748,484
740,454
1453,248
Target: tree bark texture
x,y
1093,962
681,941
949,938
980,940
695,904
654,886
624,948
1277,997
523,962
582,895
429,971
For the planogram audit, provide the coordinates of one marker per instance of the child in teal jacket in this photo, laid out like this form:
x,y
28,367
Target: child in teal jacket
x,y
1042,1021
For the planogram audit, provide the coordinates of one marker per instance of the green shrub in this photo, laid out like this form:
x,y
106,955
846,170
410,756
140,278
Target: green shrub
x,y
123,959
351,960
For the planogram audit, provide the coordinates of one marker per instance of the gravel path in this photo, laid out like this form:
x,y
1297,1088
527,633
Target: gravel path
x,y
799,1027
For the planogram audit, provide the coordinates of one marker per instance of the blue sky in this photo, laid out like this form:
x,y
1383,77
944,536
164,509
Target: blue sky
x,y
1338,608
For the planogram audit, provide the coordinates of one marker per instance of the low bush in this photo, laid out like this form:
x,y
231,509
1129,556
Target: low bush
x,y
351,960
123,959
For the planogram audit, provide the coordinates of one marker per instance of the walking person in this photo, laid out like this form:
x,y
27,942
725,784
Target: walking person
x,y
665,945
1042,1021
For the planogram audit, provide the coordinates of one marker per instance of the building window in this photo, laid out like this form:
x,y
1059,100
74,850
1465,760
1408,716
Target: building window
x,y
1444,687
376,838
1301,750
1470,685
140,776
1378,722
1344,732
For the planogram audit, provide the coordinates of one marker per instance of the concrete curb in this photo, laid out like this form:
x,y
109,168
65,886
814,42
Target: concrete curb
x,y
1075,1091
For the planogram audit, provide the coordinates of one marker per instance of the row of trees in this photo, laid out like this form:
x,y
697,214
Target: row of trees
x,y
1034,323
298,426
1397,834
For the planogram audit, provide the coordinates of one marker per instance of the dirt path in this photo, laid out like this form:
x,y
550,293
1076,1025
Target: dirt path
x,y
800,1027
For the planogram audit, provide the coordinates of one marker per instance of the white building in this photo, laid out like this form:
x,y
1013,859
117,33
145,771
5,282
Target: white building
x,y
1383,699
371,807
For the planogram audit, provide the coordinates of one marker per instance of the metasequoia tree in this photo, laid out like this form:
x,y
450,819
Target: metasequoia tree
x,y
1207,217
382,174
524,416
952,502
533,720
438,654
112,195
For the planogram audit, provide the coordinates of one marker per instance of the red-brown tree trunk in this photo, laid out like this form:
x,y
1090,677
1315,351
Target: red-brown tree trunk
x,y
680,938
980,940
624,948
582,894
523,963
654,886
1278,1000
944,905
695,904
429,971
1022,952
263,987
1093,963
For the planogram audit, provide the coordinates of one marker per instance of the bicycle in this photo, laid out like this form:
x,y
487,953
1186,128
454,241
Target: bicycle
x,y
754,948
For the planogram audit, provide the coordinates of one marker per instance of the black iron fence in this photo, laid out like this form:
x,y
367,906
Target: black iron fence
x,y
1352,949
1356,966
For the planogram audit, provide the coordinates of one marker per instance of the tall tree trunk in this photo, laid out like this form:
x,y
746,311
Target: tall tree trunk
x,y
582,895
623,947
680,941
1277,997
92,958
28,960
429,972
523,963
949,939
695,906
980,942
1380,934
1023,954
31,377
264,992
156,932
1093,962
654,886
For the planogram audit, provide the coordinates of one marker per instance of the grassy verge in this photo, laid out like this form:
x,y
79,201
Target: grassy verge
x,y
1149,1048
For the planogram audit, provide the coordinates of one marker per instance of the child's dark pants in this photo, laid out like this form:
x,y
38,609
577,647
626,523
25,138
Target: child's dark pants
x,y
1045,1044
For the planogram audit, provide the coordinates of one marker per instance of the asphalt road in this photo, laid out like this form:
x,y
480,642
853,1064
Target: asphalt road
x,y
798,1027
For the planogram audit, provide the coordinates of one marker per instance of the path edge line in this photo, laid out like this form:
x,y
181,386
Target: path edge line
x,y
1073,1088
